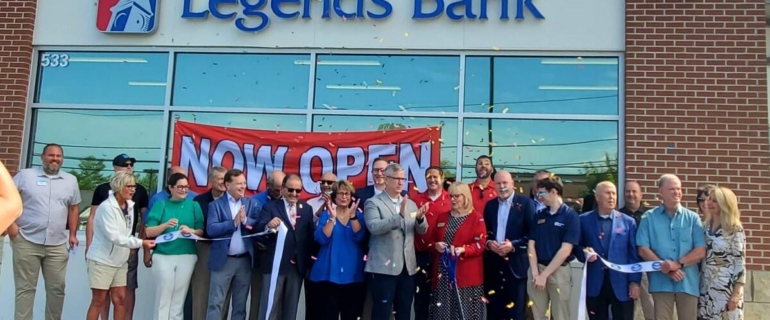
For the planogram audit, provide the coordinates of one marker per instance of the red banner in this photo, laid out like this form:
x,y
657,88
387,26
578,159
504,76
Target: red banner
x,y
349,155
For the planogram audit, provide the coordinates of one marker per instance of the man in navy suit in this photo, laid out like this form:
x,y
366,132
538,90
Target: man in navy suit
x,y
508,219
611,235
297,215
230,261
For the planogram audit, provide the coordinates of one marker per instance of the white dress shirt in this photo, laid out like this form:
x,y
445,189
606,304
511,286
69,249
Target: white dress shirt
x,y
502,217
288,211
236,243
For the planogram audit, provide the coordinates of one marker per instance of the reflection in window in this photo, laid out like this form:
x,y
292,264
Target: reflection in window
x,y
448,151
103,78
541,85
578,151
391,83
92,138
241,80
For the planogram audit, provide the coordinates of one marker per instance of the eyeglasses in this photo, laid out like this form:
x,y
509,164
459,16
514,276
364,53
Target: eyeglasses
x,y
343,194
182,188
397,179
292,190
378,170
455,196
327,182
541,194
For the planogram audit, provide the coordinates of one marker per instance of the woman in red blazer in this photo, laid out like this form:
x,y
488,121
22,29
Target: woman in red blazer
x,y
458,237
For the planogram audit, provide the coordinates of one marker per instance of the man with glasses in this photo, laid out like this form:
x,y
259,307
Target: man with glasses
x,y
273,192
393,220
121,163
483,190
39,238
297,215
312,309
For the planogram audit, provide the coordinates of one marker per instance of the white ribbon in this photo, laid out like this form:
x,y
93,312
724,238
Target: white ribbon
x,y
171,236
647,266
282,230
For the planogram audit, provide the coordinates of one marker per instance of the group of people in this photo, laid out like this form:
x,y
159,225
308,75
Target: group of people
x,y
468,251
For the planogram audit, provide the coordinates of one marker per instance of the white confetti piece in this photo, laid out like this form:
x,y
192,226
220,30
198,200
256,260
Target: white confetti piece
x,y
406,34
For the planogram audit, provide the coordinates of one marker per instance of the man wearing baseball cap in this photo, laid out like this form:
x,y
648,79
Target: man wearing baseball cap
x,y
122,162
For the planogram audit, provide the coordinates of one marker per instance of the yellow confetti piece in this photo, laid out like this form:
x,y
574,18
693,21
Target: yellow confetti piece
x,y
558,291
530,303
413,214
382,40
505,110
521,190
418,269
495,48
406,34
510,305
491,292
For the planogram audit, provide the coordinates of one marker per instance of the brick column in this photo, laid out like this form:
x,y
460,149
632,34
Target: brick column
x,y
696,104
17,22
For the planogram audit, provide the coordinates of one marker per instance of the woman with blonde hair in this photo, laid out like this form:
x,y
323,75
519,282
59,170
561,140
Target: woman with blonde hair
x,y
723,270
459,239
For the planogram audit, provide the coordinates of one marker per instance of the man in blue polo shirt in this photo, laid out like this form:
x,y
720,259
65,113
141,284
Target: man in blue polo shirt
x,y
674,234
555,230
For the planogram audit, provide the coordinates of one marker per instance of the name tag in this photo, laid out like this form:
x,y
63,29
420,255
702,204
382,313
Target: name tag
x,y
441,225
42,182
541,221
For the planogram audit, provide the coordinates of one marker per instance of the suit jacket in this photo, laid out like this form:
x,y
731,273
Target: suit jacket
x,y
220,225
391,245
472,235
622,250
517,231
299,239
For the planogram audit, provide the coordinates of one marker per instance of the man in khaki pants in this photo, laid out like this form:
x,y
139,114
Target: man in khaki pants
x,y
674,234
554,231
38,238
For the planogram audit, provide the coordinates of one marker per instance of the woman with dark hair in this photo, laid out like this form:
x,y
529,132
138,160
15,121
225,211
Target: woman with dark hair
x,y
174,261
339,269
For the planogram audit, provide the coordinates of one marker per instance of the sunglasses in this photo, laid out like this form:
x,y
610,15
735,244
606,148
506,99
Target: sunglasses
x,y
292,190
327,182
126,165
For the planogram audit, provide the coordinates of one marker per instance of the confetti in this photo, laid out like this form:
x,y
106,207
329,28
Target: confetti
x,y
505,110
530,303
406,34
418,289
365,257
491,292
558,291
438,304
331,145
382,40
387,262
313,257
495,48
457,87
484,300
510,305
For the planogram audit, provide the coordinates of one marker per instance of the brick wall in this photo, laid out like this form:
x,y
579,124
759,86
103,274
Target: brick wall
x,y
696,103
17,22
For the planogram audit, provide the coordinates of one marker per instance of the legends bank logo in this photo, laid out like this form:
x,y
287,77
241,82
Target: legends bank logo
x,y
126,16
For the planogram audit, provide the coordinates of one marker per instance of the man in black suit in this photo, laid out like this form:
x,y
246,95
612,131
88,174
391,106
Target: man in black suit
x,y
297,216
507,220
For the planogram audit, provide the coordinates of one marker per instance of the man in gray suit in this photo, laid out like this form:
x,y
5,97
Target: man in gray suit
x,y
392,220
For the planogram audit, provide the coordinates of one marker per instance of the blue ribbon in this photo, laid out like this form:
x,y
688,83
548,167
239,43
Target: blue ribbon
x,y
450,265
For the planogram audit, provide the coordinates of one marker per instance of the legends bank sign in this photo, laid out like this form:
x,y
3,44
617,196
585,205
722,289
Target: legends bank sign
x,y
251,15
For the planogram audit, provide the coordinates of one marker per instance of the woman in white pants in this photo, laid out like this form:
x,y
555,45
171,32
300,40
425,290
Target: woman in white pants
x,y
112,243
174,262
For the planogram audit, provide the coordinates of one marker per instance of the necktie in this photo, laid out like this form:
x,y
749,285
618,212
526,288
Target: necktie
x,y
293,215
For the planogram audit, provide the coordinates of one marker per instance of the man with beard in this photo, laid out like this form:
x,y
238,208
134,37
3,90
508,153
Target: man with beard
x,y
273,192
121,163
201,277
508,220
635,209
297,215
674,234
39,240
611,236
483,190
319,203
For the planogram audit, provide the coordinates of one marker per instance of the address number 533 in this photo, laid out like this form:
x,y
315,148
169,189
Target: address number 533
x,y
55,60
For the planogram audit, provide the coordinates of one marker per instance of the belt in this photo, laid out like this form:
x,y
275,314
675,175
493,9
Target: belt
x,y
546,263
242,255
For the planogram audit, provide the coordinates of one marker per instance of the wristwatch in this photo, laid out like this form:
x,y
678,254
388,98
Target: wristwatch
x,y
333,221
354,217
681,264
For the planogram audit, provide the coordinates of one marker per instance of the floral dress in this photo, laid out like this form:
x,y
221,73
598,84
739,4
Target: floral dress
x,y
445,304
723,267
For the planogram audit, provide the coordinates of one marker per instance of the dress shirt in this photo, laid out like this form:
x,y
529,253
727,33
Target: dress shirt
x,y
502,217
288,207
605,227
236,243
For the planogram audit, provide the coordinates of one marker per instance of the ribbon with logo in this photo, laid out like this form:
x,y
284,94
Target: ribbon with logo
x,y
282,230
450,265
176,235
647,266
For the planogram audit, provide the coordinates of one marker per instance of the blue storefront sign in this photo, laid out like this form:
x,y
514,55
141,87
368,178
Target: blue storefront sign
x,y
251,15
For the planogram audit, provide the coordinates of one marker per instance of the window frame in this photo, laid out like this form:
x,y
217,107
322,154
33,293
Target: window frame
x,y
310,112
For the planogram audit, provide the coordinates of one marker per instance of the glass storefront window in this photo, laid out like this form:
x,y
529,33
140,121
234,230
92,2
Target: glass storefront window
x,y
387,83
578,151
241,80
575,85
92,138
125,78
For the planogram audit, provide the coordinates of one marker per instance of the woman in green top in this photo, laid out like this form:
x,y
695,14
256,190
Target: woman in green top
x,y
174,261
